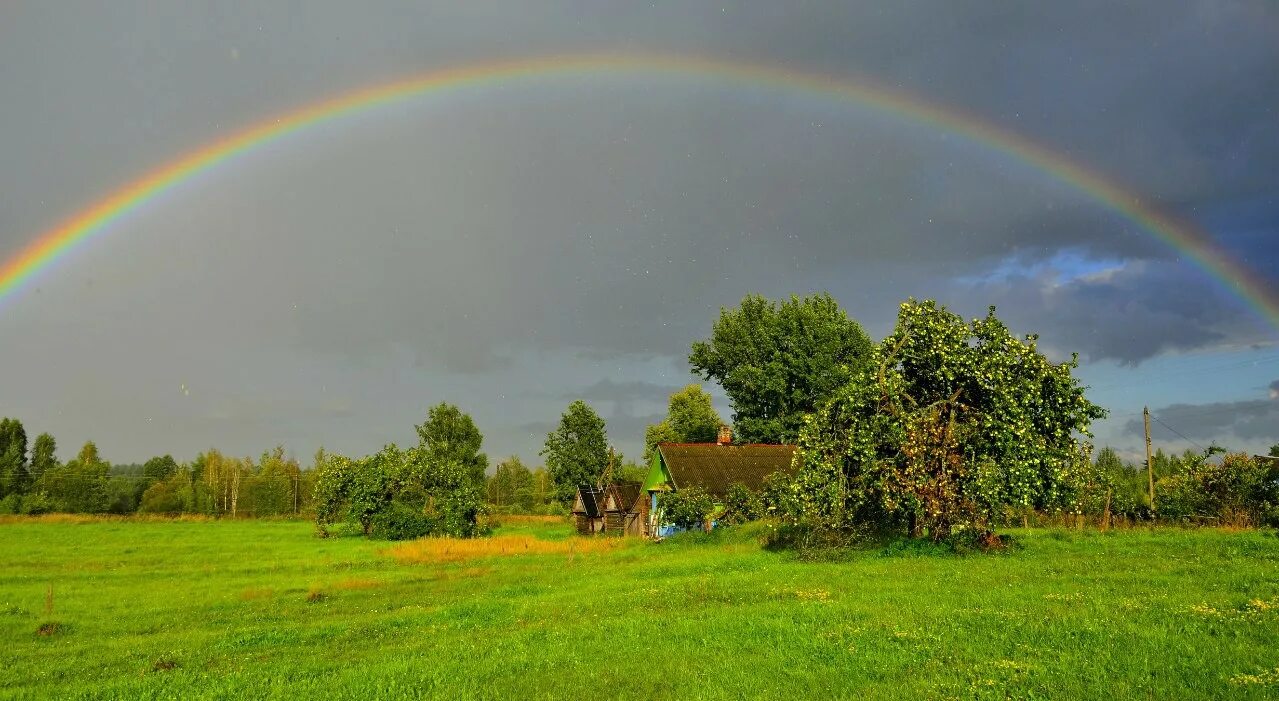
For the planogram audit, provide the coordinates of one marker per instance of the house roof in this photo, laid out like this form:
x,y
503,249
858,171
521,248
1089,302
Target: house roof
x,y
588,497
715,467
627,494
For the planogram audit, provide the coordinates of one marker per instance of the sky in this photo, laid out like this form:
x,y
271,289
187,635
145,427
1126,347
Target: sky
x,y
513,247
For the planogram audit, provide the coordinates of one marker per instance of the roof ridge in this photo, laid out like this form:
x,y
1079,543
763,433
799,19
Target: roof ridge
x,y
731,445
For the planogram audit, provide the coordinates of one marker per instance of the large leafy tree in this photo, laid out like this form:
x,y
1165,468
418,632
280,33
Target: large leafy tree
x,y
780,362
690,418
159,468
14,476
576,451
43,455
947,423
450,436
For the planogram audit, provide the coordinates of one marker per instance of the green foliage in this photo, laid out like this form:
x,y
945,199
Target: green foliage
x,y
159,468
162,498
660,432
576,451
630,471
1237,490
449,435
690,418
275,488
14,475
741,505
400,521
372,485
511,487
687,509
122,494
360,491
1130,494
948,424
80,486
779,362
43,455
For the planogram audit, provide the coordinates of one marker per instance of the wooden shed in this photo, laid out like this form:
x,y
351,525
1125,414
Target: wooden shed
x,y
616,509
588,515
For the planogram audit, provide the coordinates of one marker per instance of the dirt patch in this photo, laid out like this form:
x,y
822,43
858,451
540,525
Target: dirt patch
x,y
49,629
163,665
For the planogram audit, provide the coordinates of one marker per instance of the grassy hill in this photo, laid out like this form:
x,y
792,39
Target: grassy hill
x,y
189,609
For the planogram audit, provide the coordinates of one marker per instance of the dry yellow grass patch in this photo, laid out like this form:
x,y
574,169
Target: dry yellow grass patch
x,y
430,550
257,593
351,584
527,519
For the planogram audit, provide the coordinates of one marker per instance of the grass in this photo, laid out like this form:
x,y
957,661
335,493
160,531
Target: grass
x,y
189,609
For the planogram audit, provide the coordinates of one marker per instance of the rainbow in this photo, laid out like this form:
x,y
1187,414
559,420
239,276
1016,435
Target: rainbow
x,y
1190,242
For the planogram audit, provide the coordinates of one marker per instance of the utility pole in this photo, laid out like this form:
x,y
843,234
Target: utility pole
x,y
1150,465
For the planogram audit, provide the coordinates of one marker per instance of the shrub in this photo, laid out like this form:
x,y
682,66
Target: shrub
x,y
400,521
687,508
161,498
741,505
36,504
11,504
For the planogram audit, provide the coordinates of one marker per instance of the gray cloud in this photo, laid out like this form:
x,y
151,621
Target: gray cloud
x,y
1250,420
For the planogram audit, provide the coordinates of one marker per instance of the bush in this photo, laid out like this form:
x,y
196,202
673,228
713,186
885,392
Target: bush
x,y
741,505
11,504
400,521
36,504
1238,490
161,498
687,508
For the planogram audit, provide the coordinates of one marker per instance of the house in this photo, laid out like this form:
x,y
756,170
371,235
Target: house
x,y
712,466
620,508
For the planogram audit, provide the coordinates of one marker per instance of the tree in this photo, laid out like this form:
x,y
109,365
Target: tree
x,y
690,418
160,468
948,424
43,455
80,486
14,476
576,452
780,362
1274,450
511,486
449,435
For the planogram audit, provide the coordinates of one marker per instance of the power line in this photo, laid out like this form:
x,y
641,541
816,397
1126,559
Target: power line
x,y
1179,433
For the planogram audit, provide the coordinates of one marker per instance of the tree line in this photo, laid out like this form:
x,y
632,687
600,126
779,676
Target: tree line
x,y
946,428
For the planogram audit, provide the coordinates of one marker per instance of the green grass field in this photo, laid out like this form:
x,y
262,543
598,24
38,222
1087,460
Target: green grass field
x,y
260,609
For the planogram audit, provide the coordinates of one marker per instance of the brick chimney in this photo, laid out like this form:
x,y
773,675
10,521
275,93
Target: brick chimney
x,y
725,436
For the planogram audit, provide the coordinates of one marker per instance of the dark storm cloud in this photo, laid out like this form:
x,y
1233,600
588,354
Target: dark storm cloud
x,y
1255,420
1126,314
525,239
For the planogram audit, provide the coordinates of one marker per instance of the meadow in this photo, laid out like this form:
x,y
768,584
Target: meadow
x,y
217,609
